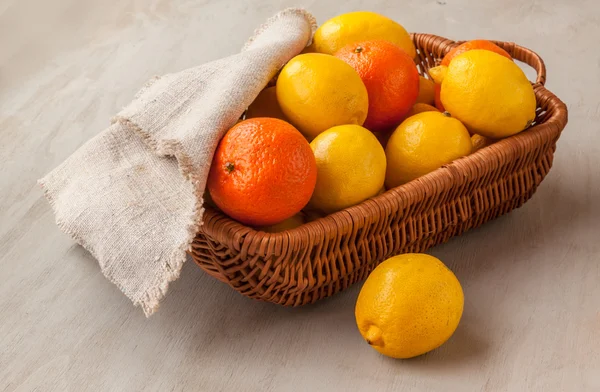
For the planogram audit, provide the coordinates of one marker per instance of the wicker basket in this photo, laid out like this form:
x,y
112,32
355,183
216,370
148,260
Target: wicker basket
x,y
325,256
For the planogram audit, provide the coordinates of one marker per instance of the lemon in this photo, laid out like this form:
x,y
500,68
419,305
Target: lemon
x,y
357,26
426,91
290,223
423,143
266,105
487,92
350,167
409,305
317,91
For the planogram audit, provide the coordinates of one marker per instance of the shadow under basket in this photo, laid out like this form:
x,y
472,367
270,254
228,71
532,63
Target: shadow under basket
x,y
323,257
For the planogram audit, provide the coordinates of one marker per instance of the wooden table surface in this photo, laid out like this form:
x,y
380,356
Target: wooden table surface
x,y
531,278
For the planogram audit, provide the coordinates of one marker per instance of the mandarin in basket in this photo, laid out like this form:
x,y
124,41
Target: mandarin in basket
x,y
391,78
263,172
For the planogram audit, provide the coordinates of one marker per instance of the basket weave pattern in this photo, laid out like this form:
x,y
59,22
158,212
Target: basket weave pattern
x,y
325,256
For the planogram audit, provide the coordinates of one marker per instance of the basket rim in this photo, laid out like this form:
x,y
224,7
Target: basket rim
x,y
235,235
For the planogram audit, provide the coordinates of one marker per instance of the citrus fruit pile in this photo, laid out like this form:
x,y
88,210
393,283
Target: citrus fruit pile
x,y
350,117
347,119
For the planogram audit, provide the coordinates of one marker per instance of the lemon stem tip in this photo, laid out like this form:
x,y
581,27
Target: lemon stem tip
x,y
373,336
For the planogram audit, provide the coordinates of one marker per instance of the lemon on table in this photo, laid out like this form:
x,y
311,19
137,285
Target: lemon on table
x,y
487,92
317,91
352,27
423,143
409,305
266,105
350,167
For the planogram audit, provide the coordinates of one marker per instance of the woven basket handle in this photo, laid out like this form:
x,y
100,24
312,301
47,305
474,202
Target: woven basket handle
x,y
433,48
527,56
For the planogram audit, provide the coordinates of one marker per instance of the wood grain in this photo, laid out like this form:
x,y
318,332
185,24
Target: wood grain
x,y
532,312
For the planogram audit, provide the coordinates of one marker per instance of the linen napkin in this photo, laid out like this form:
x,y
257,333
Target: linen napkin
x,y
132,195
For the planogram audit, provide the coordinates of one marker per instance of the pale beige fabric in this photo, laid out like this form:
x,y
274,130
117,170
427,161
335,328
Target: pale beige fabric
x,y
132,196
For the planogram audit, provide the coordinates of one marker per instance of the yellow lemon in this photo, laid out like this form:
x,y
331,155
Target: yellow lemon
x,y
409,305
420,108
423,143
357,26
426,91
350,167
317,91
487,92
290,223
266,105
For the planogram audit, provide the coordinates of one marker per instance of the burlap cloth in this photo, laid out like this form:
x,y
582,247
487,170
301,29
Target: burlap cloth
x,y
132,196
